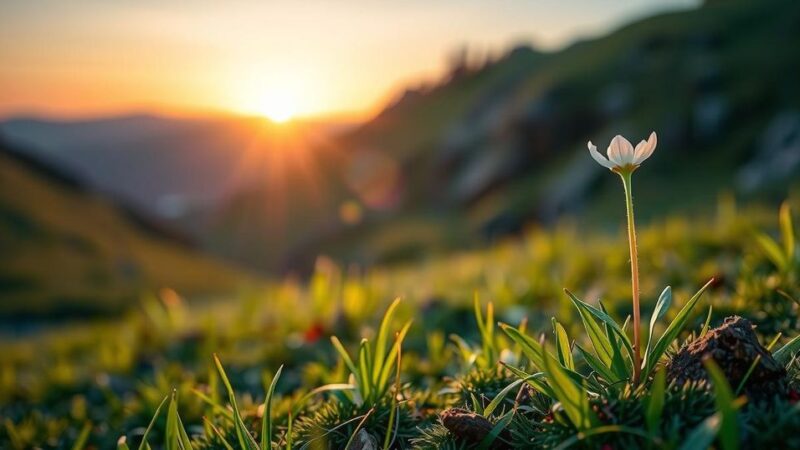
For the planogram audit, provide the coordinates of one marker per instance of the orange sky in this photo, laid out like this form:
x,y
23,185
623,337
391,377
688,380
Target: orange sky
x,y
95,57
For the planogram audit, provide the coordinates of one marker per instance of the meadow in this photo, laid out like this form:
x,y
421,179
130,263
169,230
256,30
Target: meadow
x,y
479,349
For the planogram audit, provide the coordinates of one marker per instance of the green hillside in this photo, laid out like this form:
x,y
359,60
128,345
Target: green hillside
x,y
502,145
496,146
68,252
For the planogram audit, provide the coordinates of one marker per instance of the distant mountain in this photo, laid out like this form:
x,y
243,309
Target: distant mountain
x,y
69,252
508,141
166,166
498,146
480,154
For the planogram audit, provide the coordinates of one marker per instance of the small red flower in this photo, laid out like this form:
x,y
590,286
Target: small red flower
x,y
313,333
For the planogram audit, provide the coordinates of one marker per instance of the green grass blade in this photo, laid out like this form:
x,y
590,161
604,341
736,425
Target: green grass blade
x,y
606,319
485,328
622,368
219,434
152,422
787,231
298,406
500,396
726,406
655,403
530,347
176,437
467,355
772,250
573,396
83,437
597,365
498,428
477,406
754,364
488,336
171,433
312,443
562,345
707,323
266,420
246,441
289,424
535,380
358,428
337,344
392,357
784,354
592,328
186,443
662,305
600,342
703,435
217,407
394,415
503,393
365,368
383,339
672,332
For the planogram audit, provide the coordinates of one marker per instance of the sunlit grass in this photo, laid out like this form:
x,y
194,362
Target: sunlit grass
x,y
111,376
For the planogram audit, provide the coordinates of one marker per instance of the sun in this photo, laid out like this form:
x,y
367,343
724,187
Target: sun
x,y
277,105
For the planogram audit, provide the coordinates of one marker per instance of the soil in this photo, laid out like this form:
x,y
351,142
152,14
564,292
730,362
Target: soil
x,y
734,347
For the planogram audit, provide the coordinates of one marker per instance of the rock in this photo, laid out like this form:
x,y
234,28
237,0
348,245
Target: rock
x,y
470,427
734,347
364,441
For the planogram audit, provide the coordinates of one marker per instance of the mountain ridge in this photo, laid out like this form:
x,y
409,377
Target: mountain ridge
x,y
69,252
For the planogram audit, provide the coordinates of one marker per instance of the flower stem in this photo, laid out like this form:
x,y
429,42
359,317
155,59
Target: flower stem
x,y
627,184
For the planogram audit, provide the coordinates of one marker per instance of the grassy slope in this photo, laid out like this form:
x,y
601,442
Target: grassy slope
x,y
68,252
113,374
747,46
665,67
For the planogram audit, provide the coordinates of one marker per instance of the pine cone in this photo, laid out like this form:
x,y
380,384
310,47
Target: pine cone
x,y
470,427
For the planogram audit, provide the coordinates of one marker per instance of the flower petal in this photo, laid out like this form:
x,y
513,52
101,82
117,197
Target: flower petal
x,y
598,157
620,151
645,149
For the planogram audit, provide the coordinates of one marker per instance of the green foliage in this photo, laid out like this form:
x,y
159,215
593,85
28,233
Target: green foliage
x,y
571,387
266,425
243,437
671,333
605,340
783,256
371,373
726,407
655,403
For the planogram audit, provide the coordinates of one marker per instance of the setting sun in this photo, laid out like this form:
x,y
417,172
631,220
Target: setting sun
x,y
278,106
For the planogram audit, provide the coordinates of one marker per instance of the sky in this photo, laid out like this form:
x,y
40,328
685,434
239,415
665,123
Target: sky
x,y
87,58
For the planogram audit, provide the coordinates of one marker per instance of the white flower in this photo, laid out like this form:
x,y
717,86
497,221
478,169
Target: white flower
x,y
622,155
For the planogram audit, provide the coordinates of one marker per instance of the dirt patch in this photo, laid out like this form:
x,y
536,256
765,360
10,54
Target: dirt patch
x,y
734,347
